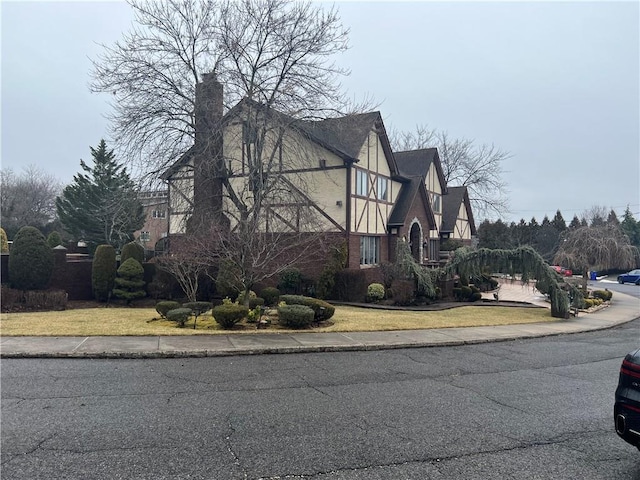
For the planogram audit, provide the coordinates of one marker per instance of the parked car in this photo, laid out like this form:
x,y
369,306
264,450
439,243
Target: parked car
x,y
562,271
630,277
626,410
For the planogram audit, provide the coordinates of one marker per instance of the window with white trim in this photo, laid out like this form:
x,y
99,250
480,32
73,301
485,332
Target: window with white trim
x,y
159,214
145,236
437,207
362,182
369,250
381,191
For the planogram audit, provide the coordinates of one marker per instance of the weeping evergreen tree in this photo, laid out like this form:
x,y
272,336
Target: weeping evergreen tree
x,y
101,206
524,260
426,279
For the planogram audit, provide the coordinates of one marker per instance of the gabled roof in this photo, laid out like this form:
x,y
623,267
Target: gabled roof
x,y
451,202
417,163
410,190
343,136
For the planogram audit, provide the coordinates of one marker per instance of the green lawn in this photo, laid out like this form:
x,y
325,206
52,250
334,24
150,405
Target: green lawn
x,y
145,321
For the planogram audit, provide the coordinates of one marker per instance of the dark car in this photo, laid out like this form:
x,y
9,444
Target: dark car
x,y
626,411
630,277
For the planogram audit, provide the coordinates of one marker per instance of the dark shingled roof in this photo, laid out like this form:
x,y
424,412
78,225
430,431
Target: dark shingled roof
x,y
345,134
415,162
408,193
451,202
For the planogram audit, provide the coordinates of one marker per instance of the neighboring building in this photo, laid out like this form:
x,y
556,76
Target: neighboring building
x,y
342,169
156,226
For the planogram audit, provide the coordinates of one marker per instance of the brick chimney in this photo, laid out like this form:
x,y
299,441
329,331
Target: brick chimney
x,y
208,155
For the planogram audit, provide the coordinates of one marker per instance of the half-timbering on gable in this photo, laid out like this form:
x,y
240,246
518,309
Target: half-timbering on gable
x,y
338,176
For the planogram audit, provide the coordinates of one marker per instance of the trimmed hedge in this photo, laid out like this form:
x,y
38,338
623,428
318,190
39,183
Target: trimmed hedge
x,y
228,314
165,306
132,250
179,315
603,294
103,272
30,260
321,309
271,296
295,316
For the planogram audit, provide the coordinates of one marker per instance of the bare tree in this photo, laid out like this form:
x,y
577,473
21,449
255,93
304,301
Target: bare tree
x,y
601,247
276,52
464,163
274,58
27,199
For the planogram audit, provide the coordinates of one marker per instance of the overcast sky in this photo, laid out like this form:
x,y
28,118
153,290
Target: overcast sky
x,y
555,84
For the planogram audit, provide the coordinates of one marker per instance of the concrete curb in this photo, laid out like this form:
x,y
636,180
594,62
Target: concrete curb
x,y
623,310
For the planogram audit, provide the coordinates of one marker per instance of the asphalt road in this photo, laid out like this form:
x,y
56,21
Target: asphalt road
x,y
521,409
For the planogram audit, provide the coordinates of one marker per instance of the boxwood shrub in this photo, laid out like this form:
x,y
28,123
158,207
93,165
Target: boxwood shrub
x,y
321,309
179,315
163,307
295,316
271,296
228,314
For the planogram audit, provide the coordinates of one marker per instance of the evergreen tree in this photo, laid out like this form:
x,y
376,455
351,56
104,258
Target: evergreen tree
x,y
101,206
612,219
575,223
494,235
558,222
631,227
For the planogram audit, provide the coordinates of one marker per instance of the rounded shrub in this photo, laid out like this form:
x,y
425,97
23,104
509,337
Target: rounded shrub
x,y
271,296
295,316
54,239
375,292
103,272
132,250
322,310
4,242
179,315
163,307
228,314
475,296
30,260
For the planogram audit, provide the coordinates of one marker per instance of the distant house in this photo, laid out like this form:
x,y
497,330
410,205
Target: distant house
x,y
156,226
343,169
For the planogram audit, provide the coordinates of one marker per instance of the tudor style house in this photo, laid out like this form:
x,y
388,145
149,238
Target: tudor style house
x,y
340,171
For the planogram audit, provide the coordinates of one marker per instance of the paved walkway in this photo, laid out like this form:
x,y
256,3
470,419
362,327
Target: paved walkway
x,y
623,308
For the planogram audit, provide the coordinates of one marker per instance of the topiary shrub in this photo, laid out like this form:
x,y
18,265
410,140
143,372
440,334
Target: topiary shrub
x,y
375,292
295,316
103,272
129,284
54,239
30,260
163,307
228,314
271,296
179,315
132,250
197,308
4,242
322,310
